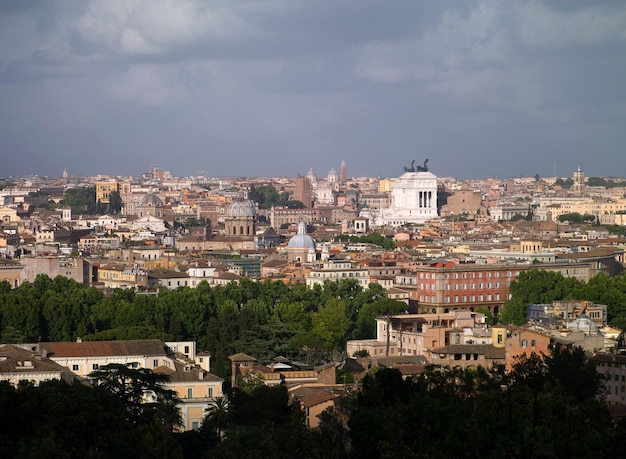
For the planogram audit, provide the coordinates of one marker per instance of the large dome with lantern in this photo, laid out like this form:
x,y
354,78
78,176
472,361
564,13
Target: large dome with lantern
x,y
241,208
151,200
301,240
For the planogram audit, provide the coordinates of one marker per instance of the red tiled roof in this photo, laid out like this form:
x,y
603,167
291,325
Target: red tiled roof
x,y
104,348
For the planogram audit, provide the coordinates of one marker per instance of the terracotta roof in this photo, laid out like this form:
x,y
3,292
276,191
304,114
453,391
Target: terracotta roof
x,y
166,274
315,398
20,360
187,373
105,348
488,350
241,357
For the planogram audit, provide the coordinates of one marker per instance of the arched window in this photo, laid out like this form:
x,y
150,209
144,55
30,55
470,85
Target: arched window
x,y
234,230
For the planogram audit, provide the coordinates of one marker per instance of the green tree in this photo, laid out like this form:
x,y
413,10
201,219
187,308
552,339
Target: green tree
x,y
219,414
388,309
141,390
115,202
81,199
330,323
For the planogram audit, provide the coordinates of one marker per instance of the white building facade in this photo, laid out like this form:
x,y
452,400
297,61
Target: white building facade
x,y
413,200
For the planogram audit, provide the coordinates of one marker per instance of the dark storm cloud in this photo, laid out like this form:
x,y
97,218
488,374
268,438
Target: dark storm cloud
x,y
274,87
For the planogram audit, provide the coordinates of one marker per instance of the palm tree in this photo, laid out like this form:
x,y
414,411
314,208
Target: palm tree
x,y
220,414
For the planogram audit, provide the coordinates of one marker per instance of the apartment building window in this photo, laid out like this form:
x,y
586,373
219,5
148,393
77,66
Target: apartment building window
x,y
456,275
480,298
472,286
497,285
472,298
456,286
75,367
533,343
480,285
155,363
488,297
447,286
190,392
524,343
456,298
95,366
464,286
210,392
447,299
464,298
488,285
195,425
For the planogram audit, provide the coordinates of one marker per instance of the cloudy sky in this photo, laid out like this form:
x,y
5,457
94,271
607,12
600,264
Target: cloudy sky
x,y
481,88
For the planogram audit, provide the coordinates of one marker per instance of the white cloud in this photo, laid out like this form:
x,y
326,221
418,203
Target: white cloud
x,y
132,27
542,27
488,56
457,43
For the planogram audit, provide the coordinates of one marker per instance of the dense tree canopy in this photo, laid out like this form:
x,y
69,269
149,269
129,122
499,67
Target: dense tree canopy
x,y
372,238
541,409
267,196
82,200
61,420
543,287
575,217
264,319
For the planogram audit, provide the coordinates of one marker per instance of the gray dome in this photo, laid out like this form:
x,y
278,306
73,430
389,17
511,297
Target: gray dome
x,y
241,208
584,324
301,240
151,200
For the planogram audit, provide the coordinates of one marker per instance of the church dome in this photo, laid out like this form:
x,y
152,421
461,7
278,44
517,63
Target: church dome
x,y
151,200
332,175
241,208
301,240
311,175
584,324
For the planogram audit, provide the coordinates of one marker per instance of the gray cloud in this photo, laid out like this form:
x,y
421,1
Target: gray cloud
x,y
274,87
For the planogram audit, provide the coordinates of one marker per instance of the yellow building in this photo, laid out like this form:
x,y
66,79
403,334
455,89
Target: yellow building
x,y
384,186
104,190
11,271
117,275
188,370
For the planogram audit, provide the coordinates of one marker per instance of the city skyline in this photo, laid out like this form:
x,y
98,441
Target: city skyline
x,y
270,89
